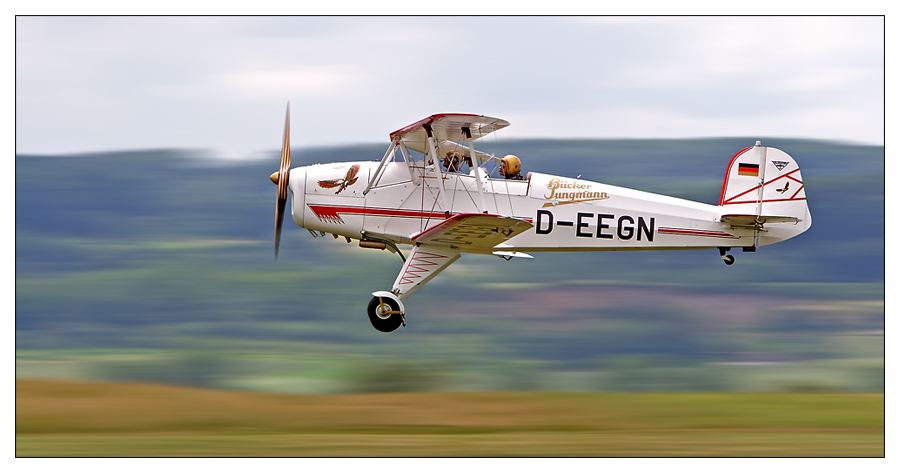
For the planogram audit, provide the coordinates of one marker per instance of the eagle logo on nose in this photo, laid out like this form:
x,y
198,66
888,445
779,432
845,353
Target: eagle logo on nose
x,y
343,183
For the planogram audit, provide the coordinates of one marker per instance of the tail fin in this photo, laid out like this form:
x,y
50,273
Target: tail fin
x,y
765,184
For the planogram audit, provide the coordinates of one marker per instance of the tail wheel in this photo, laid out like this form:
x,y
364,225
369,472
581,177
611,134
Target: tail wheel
x,y
728,259
385,314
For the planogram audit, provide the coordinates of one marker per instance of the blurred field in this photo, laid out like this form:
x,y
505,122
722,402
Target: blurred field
x,y
156,267
108,420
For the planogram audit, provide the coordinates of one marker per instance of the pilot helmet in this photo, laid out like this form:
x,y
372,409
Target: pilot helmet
x,y
513,165
452,157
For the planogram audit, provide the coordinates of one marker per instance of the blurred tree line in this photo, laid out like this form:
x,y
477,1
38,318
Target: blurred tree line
x,y
157,266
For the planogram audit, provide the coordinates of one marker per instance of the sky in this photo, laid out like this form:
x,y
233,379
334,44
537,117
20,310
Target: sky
x,y
87,84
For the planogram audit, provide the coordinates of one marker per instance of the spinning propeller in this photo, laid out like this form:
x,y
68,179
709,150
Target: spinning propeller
x,y
281,178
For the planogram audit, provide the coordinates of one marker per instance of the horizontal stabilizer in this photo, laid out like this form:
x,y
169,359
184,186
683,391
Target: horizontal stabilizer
x,y
473,232
513,254
741,220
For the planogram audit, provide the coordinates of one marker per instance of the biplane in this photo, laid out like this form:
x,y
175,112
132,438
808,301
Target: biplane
x,y
435,193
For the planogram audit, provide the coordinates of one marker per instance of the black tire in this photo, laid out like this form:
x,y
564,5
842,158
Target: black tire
x,y
381,321
729,260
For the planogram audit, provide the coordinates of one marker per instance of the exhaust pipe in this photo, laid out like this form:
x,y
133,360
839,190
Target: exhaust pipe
x,y
377,245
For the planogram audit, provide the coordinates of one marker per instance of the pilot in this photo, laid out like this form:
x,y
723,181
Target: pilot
x,y
452,160
510,167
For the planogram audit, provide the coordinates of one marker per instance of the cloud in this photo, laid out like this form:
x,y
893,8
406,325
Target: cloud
x,y
91,83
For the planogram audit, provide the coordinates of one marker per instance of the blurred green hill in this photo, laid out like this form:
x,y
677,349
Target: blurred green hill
x,y
157,265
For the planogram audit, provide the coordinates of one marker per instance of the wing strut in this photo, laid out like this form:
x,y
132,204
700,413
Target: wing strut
x,y
388,155
435,165
762,180
407,160
468,133
423,264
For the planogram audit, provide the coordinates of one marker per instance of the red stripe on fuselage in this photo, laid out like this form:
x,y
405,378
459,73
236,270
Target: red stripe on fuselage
x,y
684,231
332,210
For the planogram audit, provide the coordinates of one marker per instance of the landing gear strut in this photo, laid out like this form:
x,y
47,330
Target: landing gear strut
x,y
386,312
728,259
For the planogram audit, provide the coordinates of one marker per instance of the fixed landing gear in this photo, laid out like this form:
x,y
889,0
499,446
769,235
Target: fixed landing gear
x,y
386,312
728,259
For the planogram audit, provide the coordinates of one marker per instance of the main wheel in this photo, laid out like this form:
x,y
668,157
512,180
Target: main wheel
x,y
385,314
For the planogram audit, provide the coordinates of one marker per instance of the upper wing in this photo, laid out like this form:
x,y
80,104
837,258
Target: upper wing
x,y
445,146
473,232
447,126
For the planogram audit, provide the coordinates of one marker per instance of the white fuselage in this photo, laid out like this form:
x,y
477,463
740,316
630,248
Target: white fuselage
x,y
568,214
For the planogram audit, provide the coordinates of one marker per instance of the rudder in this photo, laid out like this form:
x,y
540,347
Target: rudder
x,y
766,183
